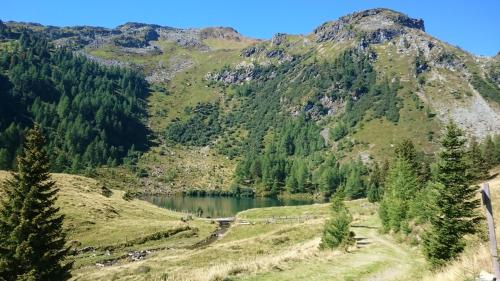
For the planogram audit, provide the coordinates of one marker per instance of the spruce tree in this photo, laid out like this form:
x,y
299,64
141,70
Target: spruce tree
x,y
374,191
406,150
354,186
32,242
489,152
456,202
337,231
478,164
401,187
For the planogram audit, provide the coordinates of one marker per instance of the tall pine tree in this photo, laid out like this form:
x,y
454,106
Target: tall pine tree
x,y
32,242
456,202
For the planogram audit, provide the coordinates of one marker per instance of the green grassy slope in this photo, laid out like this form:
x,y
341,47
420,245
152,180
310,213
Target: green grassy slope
x,y
183,167
450,85
258,247
113,226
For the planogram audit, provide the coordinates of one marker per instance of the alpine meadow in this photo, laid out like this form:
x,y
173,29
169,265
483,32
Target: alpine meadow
x,y
357,151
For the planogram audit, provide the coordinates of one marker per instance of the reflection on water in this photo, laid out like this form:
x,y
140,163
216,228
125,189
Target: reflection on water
x,y
219,206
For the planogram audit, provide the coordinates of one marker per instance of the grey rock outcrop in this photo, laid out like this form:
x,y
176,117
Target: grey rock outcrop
x,y
278,39
242,73
250,51
371,26
131,35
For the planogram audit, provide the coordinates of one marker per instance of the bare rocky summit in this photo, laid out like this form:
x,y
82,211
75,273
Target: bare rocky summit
x,y
373,26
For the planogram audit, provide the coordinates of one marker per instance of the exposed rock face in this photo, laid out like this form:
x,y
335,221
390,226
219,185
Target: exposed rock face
x,y
372,26
188,38
136,34
221,32
132,35
250,51
242,73
103,61
474,115
228,77
430,51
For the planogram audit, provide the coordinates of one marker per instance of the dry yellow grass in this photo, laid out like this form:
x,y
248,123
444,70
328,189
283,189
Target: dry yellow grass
x,y
259,251
92,219
285,251
176,168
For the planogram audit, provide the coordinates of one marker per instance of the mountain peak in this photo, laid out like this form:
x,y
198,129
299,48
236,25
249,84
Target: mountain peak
x,y
378,25
220,32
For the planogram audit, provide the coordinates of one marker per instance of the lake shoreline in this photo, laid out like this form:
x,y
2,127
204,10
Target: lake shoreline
x,y
214,206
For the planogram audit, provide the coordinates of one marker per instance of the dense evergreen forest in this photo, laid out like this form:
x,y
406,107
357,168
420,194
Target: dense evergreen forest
x,y
92,115
284,151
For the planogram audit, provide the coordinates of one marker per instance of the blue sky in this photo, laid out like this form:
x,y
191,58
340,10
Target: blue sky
x,y
473,25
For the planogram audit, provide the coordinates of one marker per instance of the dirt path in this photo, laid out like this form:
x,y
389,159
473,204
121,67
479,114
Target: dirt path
x,y
282,252
377,258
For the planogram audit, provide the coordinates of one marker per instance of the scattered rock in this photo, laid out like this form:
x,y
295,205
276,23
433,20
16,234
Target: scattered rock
x,y
86,249
278,39
138,255
101,60
250,51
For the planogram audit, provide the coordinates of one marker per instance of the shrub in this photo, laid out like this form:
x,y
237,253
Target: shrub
x,y
337,231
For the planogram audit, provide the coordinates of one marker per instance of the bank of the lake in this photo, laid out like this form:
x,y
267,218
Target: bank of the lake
x,y
221,206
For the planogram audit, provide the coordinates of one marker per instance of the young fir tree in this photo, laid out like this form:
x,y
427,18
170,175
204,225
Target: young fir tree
x,y
401,187
489,152
336,232
374,190
478,164
456,202
32,242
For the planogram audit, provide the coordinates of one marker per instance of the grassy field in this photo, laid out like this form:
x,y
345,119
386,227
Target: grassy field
x,y
113,226
261,247
277,243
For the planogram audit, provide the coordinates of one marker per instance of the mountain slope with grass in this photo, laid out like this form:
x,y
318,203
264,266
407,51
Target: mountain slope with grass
x,y
104,225
222,108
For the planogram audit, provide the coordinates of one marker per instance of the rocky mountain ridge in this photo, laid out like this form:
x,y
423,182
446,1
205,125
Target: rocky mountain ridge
x,y
373,26
225,84
400,35
129,35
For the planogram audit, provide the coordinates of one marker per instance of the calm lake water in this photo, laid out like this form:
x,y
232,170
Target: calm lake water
x,y
220,206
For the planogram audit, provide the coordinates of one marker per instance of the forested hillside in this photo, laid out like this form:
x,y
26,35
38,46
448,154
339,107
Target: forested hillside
x,y
291,115
93,115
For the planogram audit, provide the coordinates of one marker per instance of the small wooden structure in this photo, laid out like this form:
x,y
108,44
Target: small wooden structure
x,y
227,220
485,192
